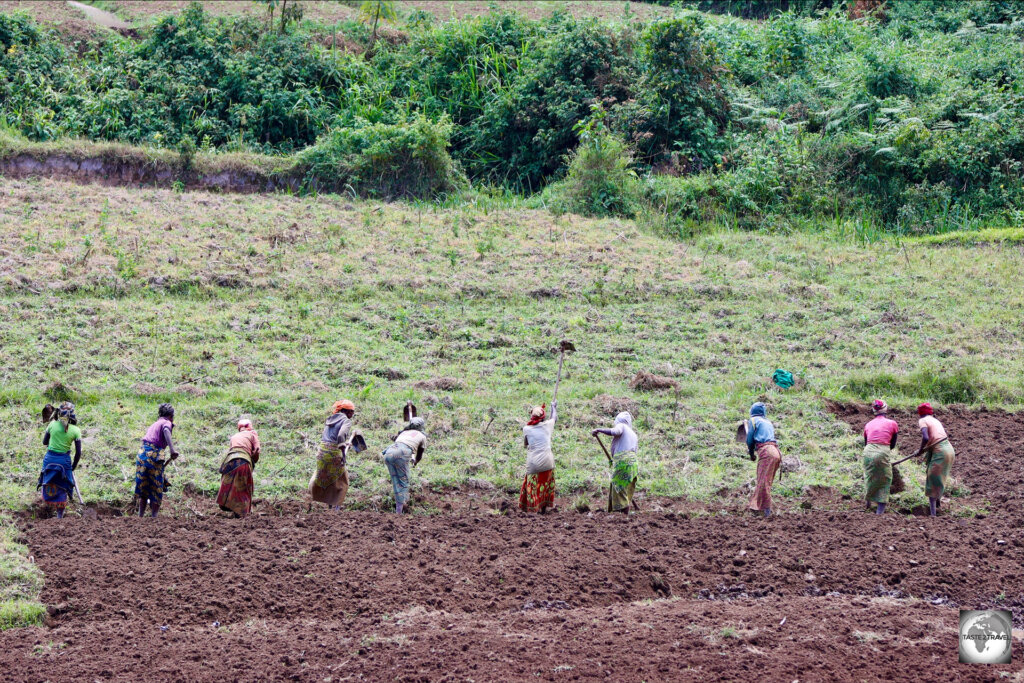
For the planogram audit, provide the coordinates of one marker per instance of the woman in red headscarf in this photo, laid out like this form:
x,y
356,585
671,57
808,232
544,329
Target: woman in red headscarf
x,y
236,482
938,455
538,491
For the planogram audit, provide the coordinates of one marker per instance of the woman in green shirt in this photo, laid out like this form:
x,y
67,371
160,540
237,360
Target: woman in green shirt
x,y
57,480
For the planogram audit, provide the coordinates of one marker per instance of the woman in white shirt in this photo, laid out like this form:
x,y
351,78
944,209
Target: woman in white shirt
x,y
538,491
409,441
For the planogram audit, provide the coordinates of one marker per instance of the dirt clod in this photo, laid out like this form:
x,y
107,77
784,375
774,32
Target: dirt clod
x,y
147,389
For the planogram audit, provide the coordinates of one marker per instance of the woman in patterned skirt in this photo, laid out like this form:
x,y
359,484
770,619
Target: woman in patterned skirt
x,y
938,455
150,482
236,470
538,491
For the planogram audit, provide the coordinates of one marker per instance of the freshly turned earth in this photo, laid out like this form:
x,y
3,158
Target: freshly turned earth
x,y
829,593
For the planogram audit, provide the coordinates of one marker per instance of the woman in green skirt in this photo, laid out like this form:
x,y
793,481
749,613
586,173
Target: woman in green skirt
x,y
938,455
625,471
879,442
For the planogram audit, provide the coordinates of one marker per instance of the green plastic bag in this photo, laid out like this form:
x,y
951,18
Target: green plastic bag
x,y
783,378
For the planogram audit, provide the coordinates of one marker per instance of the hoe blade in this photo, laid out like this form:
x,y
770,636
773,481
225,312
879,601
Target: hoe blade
x,y
741,431
358,443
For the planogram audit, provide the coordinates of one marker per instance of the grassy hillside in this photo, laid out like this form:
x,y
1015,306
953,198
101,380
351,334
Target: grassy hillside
x,y
276,306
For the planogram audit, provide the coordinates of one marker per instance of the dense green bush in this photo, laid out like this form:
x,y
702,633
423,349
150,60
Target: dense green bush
x,y
384,160
680,106
522,137
600,181
910,120
218,82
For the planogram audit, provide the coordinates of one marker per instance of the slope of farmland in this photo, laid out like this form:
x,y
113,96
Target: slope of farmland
x,y
278,306
275,306
819,595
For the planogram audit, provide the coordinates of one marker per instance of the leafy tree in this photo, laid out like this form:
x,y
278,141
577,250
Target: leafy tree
x,y
372,11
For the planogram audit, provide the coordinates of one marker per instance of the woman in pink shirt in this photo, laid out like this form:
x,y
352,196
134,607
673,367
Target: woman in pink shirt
x,y
236,470
879,443
938,455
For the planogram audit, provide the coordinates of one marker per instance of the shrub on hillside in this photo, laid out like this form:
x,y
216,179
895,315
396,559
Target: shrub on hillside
x,y
681,207
886,77
384,160
600,181
219,81
522,136
680,105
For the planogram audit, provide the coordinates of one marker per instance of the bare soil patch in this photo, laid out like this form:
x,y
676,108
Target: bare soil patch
x,y
684,640
500,596
69,22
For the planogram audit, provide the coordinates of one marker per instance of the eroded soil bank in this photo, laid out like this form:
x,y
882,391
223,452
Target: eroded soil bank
x,y
133,170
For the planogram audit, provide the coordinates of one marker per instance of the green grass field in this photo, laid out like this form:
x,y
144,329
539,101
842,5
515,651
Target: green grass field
x,y
275,307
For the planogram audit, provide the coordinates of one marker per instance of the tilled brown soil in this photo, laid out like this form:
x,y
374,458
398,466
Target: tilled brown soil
x,y
817,595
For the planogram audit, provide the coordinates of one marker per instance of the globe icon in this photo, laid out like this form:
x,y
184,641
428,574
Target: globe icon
x,y
985,637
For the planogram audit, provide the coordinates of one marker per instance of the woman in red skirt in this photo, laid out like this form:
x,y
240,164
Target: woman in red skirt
x,y
538,491
236,483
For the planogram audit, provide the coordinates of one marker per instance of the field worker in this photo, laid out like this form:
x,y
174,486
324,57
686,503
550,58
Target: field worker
x,y
329,484
761,440
538,491
938,455
57,479
625,470
236,470
409,442
150,482
879,442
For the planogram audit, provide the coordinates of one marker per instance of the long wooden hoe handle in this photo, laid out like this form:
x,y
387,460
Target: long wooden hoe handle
x,y
607,454
561,357
914,455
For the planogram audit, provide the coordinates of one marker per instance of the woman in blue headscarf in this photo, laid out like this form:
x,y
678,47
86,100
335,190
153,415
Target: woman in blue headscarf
x,y
761,440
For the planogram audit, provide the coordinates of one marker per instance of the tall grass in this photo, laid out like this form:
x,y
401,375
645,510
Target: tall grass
x,y
963,384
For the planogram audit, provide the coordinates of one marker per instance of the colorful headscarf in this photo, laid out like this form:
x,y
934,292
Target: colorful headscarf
x,y
758,410
66,414
925,409
538,414
344,405
879,407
